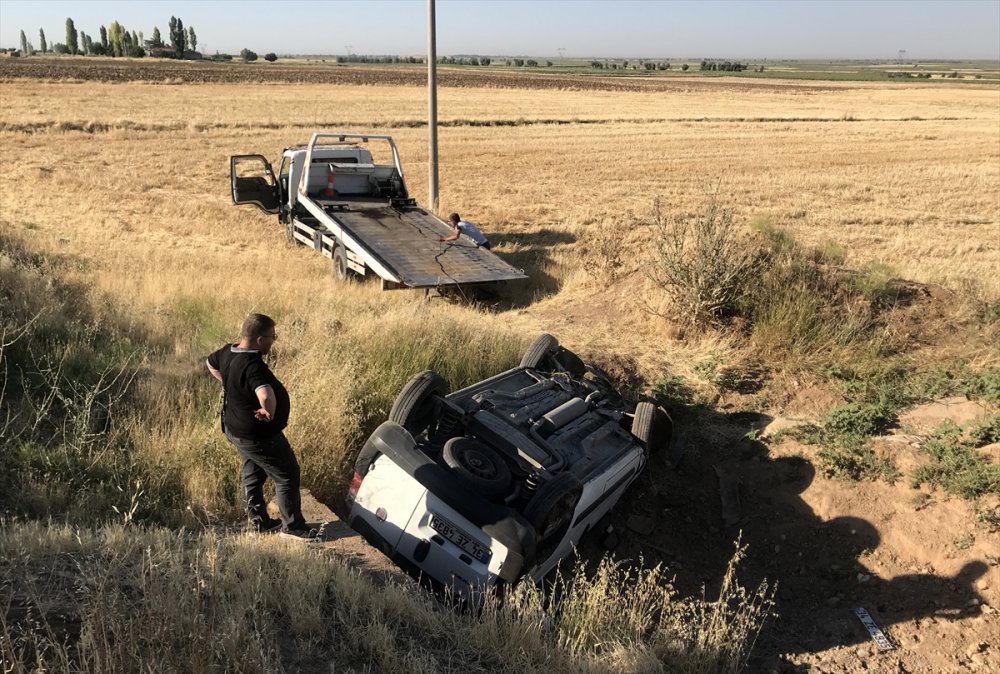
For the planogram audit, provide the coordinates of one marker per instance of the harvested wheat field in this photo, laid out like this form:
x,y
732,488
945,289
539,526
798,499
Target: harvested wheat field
x,y
839,413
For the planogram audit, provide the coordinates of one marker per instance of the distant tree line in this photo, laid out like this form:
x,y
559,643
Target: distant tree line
x,y
116,41
460,61
364,58
728,66
638,64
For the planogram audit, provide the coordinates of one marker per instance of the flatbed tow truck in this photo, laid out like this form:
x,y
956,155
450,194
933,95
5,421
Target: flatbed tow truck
x,y
332,196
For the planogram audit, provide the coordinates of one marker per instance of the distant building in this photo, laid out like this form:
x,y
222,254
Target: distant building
x,y
169,53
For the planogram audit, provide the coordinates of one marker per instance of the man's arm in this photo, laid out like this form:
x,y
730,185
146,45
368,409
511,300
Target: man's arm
x,y
268,403
454,235
215,373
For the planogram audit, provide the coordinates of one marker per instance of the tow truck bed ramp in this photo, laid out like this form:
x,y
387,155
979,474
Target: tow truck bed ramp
x,y
406,242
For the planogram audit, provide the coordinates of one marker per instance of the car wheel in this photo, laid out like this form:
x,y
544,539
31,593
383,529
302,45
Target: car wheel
x,y
416,408
340,270
550,511
652,427
540,350
478,465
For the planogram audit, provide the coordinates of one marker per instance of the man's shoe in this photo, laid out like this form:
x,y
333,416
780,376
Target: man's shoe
x,y
265,526
303,534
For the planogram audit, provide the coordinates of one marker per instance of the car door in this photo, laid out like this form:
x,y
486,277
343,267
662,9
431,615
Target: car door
x,y
253,182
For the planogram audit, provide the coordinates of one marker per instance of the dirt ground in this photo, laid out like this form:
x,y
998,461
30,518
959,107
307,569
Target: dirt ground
x,y
829,546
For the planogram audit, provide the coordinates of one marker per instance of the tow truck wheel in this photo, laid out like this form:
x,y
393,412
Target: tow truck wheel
x,y
540,350
652,427
478,465
416,408
340,270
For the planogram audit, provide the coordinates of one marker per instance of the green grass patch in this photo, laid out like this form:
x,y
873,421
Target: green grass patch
x,y
955,464
857,463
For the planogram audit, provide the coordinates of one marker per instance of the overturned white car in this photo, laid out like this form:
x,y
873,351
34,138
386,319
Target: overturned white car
x,y
479,488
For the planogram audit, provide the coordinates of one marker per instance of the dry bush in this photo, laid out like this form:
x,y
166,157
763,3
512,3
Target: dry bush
x,y
705,266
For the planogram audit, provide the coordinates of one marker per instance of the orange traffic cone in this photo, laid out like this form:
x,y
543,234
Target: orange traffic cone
x,y
329,191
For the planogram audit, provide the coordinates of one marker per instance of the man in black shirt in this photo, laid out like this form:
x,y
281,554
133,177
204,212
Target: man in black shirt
x,y
254,413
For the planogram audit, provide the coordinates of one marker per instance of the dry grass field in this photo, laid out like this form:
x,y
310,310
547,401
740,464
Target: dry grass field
x,y
905,175
119,194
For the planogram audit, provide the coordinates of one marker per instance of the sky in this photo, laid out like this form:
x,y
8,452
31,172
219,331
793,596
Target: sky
x,y
715,29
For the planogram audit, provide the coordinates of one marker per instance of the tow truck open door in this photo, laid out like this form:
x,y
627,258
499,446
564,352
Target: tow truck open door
x,y
253,182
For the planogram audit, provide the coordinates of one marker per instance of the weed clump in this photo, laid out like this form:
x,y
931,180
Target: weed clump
x,y
955,464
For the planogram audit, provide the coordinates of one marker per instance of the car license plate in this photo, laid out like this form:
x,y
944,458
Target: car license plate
x,y
460,538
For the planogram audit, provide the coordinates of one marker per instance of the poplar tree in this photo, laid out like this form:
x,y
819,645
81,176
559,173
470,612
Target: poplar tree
x,y
116,36
156,40
178,36
24,43
71,38
104,39
192,39
42,43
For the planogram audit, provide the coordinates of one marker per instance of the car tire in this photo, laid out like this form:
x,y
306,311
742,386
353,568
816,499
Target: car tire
x,y
540,350
652,427
552,506
340,270
416,408
478,465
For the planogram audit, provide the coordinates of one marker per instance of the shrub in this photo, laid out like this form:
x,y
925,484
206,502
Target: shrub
x,y
248,55
856,463
955,464
270,57
704,266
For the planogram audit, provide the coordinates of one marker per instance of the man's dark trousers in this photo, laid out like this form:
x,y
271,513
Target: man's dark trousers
x,y
270,458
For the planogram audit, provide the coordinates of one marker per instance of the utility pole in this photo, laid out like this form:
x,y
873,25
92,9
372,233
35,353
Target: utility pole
x,y
348,48
561,51
432,155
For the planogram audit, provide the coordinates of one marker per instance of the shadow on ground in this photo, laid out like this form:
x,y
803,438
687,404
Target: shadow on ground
x,y
531,252
725,488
